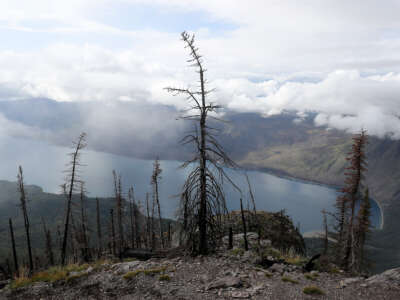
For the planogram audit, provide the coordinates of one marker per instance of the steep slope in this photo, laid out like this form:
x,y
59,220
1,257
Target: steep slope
x,y
46,205
284,145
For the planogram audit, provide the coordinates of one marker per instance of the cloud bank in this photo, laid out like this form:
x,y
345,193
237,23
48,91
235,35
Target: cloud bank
x,y
338,59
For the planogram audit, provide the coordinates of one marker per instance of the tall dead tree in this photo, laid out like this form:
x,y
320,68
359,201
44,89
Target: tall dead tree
x,y
148,232
246,244
49,244
155,178
71,179
363,228
132,215
152,224
136,214
118,204
325,224
112,233
15,257
99,237
350,195
83,236
203,186
24,209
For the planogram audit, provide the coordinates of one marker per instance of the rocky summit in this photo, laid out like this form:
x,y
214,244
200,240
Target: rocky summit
x,y
226,275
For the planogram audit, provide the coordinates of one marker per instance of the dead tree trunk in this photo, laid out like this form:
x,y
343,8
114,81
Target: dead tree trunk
x,y
325,224
99,237
202,187
154,181
136,213
246,245
153,233
112,232
148,232
13,248
230,241
49,246
131,215
25,214
118,198
71,179
84,242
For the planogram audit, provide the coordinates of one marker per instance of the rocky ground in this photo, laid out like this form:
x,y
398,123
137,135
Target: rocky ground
x,y
220,276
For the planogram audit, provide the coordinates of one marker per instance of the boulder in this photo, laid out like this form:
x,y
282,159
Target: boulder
x,y
277,268
391,276
225,282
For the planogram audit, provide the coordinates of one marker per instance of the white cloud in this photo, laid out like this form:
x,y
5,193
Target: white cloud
x,y
344,100
280,55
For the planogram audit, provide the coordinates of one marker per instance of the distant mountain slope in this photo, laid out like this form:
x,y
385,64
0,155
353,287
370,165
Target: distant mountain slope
x,y
301,150
46,205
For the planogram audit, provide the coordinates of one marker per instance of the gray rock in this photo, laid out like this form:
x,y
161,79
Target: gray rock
x,y
265,243
225,282
240,295
277,268
345,282
391,276
3,283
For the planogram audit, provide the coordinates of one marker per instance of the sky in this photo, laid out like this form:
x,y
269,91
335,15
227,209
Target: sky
x,y
106,63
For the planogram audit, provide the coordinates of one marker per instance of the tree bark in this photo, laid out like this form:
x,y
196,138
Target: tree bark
x,y
13,248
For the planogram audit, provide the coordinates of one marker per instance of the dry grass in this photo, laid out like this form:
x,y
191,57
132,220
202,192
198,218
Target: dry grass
x,y
149,272
288,279
313,290
52,274
164,277
310,276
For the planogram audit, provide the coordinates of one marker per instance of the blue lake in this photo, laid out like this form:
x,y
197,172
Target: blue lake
x,y
43,165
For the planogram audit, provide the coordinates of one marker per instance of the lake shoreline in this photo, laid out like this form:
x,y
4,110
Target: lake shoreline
x,y
287,176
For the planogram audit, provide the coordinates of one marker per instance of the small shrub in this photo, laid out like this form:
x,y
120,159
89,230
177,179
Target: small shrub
x,y
296,260
334,270
164,277
268,275
288,279
310,276
237,251
51,275
272,252
20,282
76,267
313,290
100,263
132,274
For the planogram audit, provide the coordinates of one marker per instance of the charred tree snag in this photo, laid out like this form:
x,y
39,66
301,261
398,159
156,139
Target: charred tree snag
x,y
71,179
23,205
203,187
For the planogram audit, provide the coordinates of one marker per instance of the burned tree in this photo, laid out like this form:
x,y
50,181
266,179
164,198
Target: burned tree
x,y
118,206
112,233
24,209
98,223
155,178
49,244
346,203
70,185
132,215
203,187
363,228
325,225
84,238
15,257
246,244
